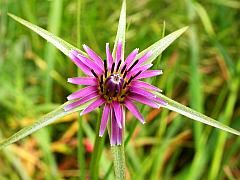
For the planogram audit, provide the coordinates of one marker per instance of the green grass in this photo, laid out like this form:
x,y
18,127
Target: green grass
x,y
201,70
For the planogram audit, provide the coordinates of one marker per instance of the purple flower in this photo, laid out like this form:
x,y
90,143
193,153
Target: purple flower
x,y
113,84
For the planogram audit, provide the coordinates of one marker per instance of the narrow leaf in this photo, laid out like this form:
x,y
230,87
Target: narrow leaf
x,y
121,29
42,122
190,113
59,43
158,47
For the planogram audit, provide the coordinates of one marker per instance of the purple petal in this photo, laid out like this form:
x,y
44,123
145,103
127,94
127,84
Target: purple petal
x,y
149,73
91,81
131,57
104,120
119,136
139,68
145,57
123,116
118,52
82,92
144,100
93,56
141,84
109,57
93,106
79,63
116,132
142,92
118,113
114,128
134,110
161,101
81,101
90,64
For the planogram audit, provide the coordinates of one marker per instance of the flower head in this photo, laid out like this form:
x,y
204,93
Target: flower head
x,y
115,84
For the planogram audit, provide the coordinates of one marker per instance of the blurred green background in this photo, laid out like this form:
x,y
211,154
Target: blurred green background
x,y
201,70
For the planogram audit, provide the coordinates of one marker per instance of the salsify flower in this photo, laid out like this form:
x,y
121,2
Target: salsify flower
x,y
115,84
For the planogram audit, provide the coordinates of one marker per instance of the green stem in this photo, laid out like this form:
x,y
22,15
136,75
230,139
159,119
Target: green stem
x,y
81,150
98,147
119,161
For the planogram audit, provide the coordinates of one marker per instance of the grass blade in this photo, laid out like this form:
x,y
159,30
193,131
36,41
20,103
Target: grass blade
x,y
196,97
54,26
158,47
42,122
190,113
59,43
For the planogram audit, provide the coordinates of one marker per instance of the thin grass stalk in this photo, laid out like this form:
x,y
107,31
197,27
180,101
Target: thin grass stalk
x,y
54,25
196,96
80,136
97,152
222,137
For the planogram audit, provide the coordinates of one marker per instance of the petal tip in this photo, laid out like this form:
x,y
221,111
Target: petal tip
x,y
69,80
66,108
82,113
85,46
69,98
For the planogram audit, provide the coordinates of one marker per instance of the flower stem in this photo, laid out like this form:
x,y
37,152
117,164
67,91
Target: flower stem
x,y
119,161
98,147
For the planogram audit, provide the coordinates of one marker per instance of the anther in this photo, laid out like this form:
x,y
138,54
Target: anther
x,y
124,85
125,73
137,74
113,65
118,65
132,77
101,86
134,64
123,69
101,79
105,68
93,72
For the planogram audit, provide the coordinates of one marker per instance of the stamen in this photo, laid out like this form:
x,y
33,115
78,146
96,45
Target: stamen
x,y
105,68
132,77
101,86
134,64
101,83
137,74
105,64
93,72
113,65
125,73
123,69
118,65
124,85
101,80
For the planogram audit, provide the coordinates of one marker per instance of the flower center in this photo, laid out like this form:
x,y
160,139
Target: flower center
x,y
113,85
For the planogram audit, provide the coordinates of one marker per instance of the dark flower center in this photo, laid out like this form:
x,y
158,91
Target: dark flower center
x,y
113,85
